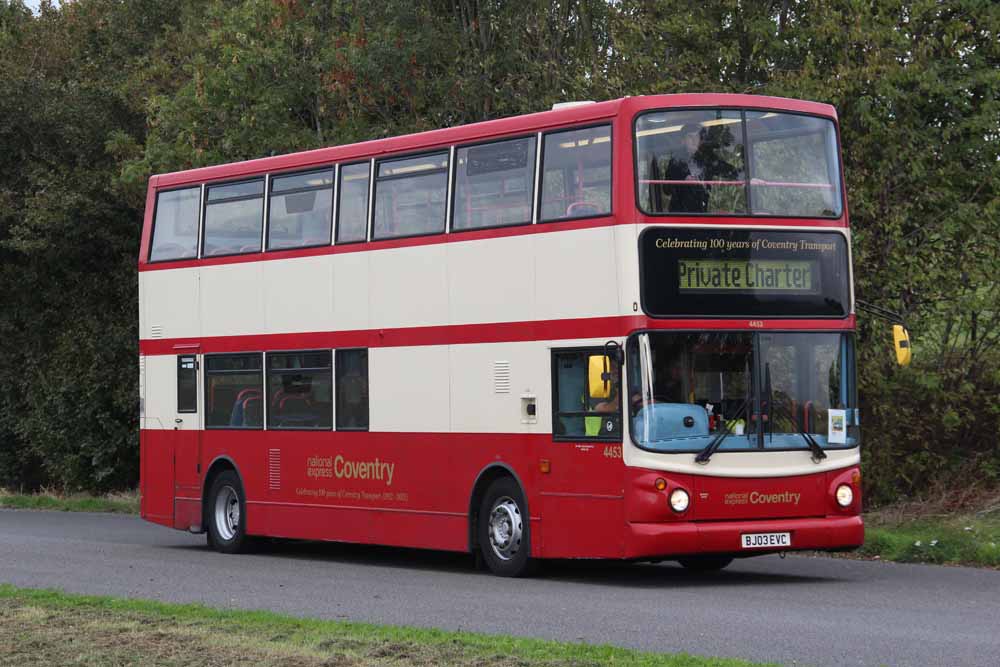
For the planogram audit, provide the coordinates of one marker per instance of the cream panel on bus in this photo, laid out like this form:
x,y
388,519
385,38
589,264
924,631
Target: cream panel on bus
x,y
408,389
575,274
350,292
170,301
492,384
232,302
160,401
492,281
627,243
408,286
298,295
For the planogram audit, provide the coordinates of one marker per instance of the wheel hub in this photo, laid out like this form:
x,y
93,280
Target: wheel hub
x,y
227,513
505,528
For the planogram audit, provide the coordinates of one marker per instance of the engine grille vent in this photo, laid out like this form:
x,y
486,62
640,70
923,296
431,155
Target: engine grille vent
x,y
274,469
501,377
156,331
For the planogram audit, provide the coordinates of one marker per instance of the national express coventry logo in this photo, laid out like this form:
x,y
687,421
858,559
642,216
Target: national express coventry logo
x,y
327,467
758,498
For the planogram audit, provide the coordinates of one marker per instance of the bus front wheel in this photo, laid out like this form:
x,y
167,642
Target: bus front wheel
x,y
504,529
227,514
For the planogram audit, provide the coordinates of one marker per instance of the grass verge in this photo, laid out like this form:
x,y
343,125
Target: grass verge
x,y
45,627
119,503
967,538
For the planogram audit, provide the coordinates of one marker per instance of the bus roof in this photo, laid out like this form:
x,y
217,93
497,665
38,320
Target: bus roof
x,y
523,124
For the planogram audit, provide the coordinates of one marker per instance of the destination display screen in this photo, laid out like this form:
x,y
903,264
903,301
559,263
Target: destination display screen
x,y
743,273
749,276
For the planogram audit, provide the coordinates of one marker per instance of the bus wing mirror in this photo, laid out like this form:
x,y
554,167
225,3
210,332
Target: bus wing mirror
x,y
901,338
599,376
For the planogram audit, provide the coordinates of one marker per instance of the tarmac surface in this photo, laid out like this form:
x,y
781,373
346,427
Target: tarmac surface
x,y
796,611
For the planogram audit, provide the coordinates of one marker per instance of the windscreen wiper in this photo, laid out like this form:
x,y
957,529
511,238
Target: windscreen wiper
x,y
817,452
705,454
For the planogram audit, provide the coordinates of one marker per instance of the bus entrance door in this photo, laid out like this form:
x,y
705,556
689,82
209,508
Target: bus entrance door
x,y
187,443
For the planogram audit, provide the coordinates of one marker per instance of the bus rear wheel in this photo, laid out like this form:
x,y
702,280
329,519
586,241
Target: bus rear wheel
x,y
705,564
504,531
227,514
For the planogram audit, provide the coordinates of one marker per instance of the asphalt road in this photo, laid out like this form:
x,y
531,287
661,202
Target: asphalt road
x,y
810,611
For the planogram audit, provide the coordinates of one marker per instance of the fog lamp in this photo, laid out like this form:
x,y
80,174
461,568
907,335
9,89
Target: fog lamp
x,y
845,495
679,500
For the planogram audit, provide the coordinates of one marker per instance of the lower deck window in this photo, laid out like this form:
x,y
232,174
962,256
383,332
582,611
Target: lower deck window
x,y
233,391
352,390
299,390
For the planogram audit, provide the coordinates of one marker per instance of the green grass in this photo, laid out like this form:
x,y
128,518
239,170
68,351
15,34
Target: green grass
x,y
957,539
120,503
43,627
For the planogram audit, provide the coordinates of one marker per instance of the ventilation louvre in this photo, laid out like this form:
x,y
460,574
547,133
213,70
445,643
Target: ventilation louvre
x,y
274,469
501,377
156,331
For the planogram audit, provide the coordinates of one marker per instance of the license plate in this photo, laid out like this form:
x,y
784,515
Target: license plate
x,y
766,540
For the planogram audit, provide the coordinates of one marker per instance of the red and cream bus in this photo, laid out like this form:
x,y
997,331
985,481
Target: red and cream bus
x,y
614,330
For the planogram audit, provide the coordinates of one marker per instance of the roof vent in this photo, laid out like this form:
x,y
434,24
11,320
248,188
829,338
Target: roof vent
x,y
567,105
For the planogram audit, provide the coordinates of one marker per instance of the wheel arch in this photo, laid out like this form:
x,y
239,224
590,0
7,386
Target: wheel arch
x,y
487,476
217,467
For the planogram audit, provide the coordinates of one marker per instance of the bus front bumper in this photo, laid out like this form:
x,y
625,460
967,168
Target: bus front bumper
x,y
662,540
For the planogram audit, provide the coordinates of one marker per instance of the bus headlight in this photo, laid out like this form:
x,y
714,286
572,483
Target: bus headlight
x,y
679,500
845,495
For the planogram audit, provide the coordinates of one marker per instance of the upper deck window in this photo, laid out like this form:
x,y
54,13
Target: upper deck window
x,y
729,162
793,165
691,162
352,212
234,218
493,184
175,230
411,195
576,173
300,210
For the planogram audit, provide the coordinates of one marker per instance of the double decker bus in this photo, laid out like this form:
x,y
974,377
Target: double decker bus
x,y
619,330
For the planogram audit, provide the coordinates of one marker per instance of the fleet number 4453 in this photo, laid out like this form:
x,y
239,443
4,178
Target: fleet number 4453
x,y
613,452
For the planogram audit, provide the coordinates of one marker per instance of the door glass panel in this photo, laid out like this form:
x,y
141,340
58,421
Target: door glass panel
x,y
187,383
577,414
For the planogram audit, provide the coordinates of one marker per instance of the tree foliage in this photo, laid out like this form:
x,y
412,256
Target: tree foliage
x,y
101,94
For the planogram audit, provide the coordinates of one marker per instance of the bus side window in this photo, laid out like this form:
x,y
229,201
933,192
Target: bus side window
x,y
352,390
187,383
234,385
576,173
578,414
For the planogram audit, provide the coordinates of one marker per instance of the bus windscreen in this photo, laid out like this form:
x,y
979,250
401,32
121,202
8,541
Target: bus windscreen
x,y
743,273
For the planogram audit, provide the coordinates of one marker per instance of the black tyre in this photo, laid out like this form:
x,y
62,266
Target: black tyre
x,y
226,513
504,530
705,564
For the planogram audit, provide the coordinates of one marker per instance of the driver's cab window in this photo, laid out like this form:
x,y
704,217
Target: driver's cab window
x,y
586,391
